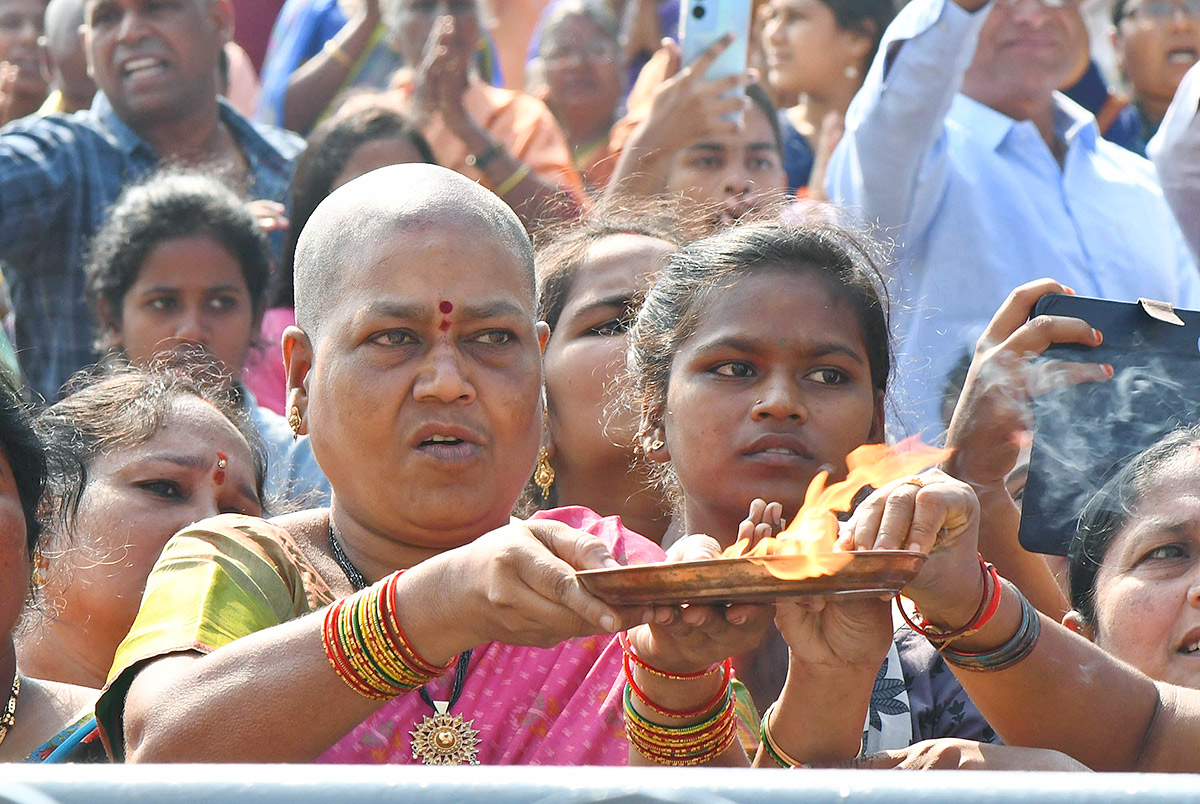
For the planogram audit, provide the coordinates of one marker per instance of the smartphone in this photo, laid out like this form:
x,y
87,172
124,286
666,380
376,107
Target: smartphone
x,y
703,22
1084,433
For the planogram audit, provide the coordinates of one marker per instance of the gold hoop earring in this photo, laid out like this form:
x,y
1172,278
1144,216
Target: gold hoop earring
x,y
543,473
294,421
656,445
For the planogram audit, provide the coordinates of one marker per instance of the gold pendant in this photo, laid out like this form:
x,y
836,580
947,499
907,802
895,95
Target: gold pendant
x,y
445,739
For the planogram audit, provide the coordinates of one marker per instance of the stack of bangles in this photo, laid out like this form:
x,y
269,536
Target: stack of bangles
x,y
366,646
1004,656
694,744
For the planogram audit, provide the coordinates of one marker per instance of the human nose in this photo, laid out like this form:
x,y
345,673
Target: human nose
x,y
1193,592
1030,12
775,29
1182,16
204,506
441,378
192,326
738,181
779,399
131,28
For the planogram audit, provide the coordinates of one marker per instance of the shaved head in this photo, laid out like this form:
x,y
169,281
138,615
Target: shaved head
x,y
348,229
63,18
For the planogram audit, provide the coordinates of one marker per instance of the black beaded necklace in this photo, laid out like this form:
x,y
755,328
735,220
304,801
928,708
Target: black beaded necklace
x,y
358,581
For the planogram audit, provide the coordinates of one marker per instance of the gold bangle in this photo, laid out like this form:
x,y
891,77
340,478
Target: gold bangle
x,y
512,181
339,55
774,746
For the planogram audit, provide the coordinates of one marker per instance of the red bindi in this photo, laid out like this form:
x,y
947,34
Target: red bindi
x,y
446,307
222,463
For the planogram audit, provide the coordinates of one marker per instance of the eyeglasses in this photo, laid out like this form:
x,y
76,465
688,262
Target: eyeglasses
x,y
1165,9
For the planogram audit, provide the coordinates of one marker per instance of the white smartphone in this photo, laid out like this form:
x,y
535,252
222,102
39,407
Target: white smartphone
x,y
703,22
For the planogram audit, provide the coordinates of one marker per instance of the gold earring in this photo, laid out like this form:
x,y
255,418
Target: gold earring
x,y
294,421
656,445
39,561
543,473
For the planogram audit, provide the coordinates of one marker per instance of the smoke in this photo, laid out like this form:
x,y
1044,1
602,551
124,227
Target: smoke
x,y
1085,433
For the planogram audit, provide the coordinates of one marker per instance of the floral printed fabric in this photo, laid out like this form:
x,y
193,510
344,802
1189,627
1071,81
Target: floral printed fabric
x,y
916,697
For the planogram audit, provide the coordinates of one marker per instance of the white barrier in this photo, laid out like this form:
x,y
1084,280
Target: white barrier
x,y
310,784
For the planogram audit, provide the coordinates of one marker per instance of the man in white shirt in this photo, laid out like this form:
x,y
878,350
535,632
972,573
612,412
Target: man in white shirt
x,y
961,150
1175,150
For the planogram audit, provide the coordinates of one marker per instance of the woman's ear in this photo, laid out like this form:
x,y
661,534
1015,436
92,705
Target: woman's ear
x,y
654,445
256,324
863,37
221,12
878,419
1074,621
110,335
297,362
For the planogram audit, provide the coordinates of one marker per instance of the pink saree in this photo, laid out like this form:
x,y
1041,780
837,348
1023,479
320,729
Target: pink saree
x,y
531,706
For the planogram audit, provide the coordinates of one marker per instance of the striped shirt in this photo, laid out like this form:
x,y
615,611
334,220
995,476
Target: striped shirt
x,y
59,176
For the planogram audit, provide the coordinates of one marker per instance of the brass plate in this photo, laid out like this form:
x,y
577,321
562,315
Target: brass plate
x,y
731,580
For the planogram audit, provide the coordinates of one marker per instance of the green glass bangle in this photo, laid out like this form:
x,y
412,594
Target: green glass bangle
x,y
680,730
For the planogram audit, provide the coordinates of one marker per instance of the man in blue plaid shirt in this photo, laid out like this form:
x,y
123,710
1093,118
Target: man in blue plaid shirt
x,y
155,63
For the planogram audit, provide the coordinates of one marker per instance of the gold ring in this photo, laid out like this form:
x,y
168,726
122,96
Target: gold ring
x,y
914,481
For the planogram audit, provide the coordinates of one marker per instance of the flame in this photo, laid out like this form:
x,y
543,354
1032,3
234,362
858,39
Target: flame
x,y
809,539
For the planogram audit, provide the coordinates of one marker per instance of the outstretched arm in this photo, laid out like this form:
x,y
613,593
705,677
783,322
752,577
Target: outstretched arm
x,y
891,162
315,83
1066,693
993,414
1175,150
514,585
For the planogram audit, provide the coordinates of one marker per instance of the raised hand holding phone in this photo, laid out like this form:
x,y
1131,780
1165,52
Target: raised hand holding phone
x,y
703,24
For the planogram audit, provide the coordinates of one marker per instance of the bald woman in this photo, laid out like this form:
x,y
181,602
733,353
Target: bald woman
x,y
457,634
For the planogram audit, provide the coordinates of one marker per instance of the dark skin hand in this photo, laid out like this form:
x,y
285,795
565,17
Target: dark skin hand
x,y
685,107
689,639
314,84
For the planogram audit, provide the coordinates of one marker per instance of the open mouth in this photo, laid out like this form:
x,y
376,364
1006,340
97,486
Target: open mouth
x,y
779,448
1189,648
1183,55
449,448
779,456
143,67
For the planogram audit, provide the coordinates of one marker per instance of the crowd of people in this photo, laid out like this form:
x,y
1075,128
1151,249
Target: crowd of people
x,y
339,336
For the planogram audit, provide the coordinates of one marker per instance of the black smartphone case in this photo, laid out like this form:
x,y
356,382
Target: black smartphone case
x,y
1082,434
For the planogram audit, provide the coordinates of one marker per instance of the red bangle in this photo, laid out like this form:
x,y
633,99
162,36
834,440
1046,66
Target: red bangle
x,y
627,648
337,658
397,633
727,666
993,607
989,604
